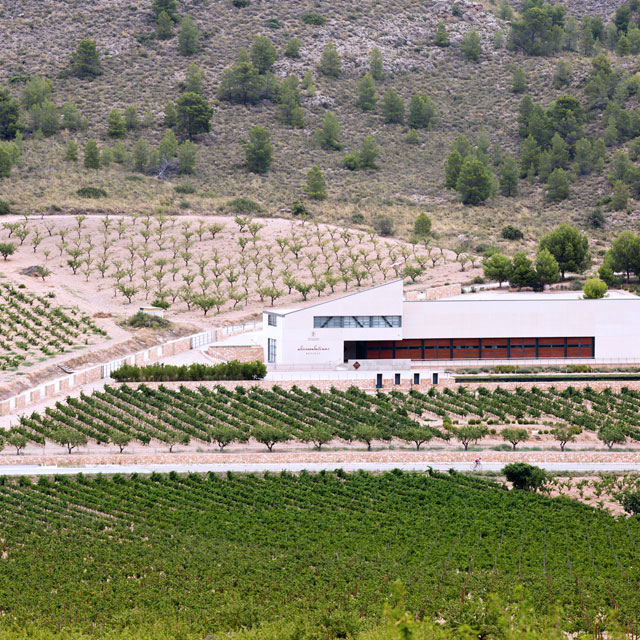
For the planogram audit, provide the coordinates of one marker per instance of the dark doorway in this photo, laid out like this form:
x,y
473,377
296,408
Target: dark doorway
x,y
434,378
379,381
416,378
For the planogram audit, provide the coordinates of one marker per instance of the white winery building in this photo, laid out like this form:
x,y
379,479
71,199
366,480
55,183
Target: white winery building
x,y
377,328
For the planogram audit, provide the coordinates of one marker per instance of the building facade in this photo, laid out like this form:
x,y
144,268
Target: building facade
x,y
377,325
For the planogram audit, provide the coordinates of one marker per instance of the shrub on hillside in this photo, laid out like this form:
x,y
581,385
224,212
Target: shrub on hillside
x,y
233,370
91,192
243,205
143,320
313,19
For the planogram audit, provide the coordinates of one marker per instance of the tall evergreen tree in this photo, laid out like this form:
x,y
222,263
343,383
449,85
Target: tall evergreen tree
x,y
509,177
330,64
329,133
316,187
366,93
422,112
193,114
263,54
91,155
116,127
392,107
241,82
9,116
474,181
258,150
375,64
85,61
188,37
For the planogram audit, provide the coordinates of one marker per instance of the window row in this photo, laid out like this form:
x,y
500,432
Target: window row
x,y
356,322
481,348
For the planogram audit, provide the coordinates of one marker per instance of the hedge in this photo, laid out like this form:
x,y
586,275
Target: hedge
x,y
233,370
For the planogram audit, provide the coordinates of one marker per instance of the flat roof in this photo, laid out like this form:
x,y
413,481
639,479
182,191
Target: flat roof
x,y
512,296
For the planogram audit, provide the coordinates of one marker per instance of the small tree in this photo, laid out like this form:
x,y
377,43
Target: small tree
x,y
564,435
318,435
509,177
193,114
85,61
422,112
329,133
316,188
525,477
258,150
557,186
375,64
611,434
470,433
91,155
9,115
293,48
69,438
187,152
365,433
417,435
7,249
263,54
330,64
368,153
471,47
514,436
620,197
498,267
17,440
223,435
594,288
170,7
422,226
366,93
270,436
519,83
116,127
474,182
441,38
71,151
569,247
164,26
188,37
392,107
120,439
547,269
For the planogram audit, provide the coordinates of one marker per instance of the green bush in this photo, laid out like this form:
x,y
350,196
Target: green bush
x,y
525,476
243,205
5,208
142,320
91,192
232,370
184,188
313,18
509,232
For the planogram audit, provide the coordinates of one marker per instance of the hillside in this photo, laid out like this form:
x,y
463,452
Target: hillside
x,y
472,98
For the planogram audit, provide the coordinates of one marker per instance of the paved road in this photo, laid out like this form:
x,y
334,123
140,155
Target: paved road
x,y
35,470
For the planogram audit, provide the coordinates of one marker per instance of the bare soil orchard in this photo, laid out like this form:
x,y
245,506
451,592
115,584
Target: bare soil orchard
x,y
190,255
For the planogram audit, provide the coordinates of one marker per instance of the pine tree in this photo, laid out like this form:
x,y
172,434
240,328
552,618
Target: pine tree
x,y
170,7
263,54
392,107
290,109
316,188
509,177
474,181
529,157
366,99
241,82
193,114
557,186
85,61
170,115
422,112
194,78
293,48
164,26
187,157
9,116
71,151
330,63
422,226
368,153
140,155
522,272
442,37
547,269
188,37
91,155
471,46
452,169
131,118
329,133
258,150
620,197
519,83
375,64
115,124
